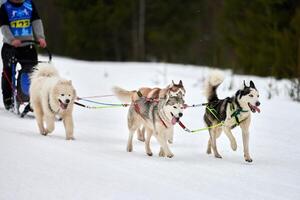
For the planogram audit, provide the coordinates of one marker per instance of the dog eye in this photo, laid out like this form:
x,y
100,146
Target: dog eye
x,y
62,95
175,107
251,95
257,95
69,95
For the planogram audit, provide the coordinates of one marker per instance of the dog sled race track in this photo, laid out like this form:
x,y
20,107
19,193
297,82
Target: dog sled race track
x,y
96,164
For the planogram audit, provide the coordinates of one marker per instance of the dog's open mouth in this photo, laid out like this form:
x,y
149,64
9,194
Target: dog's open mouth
x,y
174,119
253,108
63,105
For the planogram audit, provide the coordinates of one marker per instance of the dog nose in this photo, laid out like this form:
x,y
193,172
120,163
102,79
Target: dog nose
x,y
67,100
180,114
257,103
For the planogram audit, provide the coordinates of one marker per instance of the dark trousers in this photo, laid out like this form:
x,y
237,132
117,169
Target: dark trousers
x,y
26,56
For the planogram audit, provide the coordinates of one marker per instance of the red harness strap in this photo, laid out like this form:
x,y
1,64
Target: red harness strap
x,y
162,121
181,124
137,108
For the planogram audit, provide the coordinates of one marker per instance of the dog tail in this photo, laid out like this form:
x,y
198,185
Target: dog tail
x,y
212,83
123,95
44,70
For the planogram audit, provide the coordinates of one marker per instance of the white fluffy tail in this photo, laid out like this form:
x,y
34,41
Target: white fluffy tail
x,y
123,95
212,83
44,70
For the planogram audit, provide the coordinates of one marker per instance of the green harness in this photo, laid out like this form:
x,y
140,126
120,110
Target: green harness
x,y
236,113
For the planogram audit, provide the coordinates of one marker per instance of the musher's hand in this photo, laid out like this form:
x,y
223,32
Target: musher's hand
x,y
16,42
42,42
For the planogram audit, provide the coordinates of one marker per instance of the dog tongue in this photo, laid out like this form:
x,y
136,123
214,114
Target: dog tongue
x,y
257,109
63,106
174,120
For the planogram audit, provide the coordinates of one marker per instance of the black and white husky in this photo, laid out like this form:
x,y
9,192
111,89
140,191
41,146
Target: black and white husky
x,y
232,111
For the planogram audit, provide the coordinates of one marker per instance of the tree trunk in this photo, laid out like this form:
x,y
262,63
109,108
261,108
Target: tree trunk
x,y
135,42
141,35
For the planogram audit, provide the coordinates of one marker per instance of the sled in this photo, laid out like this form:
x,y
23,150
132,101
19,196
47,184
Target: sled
x,y
21,81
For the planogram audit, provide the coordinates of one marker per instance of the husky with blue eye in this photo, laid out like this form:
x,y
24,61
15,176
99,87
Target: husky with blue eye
x,y
231,111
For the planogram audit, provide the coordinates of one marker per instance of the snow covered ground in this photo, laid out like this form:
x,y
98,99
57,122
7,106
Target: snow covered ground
x,y
97,166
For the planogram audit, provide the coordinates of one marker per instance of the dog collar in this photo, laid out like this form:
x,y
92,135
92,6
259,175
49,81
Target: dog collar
x,y
49,106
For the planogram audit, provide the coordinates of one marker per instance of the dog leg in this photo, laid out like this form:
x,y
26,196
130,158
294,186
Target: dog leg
x,y
49,119
161,152
69,127
208,151
162,140
141,134
147,143
213,136
231,138
171,135
38,112
245,132
130,138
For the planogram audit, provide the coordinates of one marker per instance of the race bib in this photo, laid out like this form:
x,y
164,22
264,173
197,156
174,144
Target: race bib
x,y
20,23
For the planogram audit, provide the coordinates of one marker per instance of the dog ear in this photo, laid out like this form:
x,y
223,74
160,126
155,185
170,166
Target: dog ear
x,y
180,83
172,84
252,85
245,84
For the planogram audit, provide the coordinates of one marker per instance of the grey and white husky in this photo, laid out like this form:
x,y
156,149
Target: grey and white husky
x,y
157,117
232,111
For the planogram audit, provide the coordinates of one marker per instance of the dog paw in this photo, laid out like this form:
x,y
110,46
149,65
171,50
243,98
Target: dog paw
x,y
208,151
218,156
248,160
129,149
161,153
234,146
170,155
44,133
150,154
70,138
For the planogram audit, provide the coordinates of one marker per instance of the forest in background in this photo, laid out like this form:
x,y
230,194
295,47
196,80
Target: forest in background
x,y
260,37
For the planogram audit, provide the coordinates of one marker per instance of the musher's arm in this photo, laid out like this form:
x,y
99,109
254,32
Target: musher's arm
x,y
37,24
8,37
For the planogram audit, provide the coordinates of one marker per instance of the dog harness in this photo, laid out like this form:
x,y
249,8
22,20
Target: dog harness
x,y
138,110
236,113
